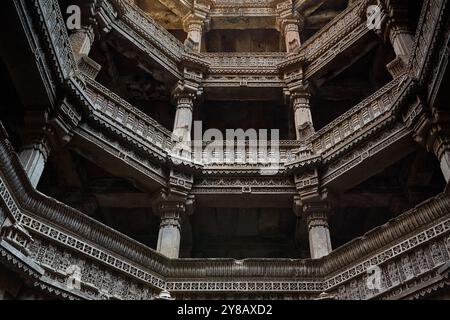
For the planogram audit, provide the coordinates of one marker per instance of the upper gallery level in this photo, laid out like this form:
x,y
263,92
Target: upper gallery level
x,y
242,25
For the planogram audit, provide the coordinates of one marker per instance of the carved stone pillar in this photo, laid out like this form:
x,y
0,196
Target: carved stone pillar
x,y
441,148
81,41
402,40
319,233
290,28
169,237
289,24
304,127
392,20
33,157
194,29
183,120
434,134
401,37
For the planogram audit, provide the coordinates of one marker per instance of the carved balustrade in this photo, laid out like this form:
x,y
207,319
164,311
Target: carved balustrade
x,y
411,248
351,125
117,112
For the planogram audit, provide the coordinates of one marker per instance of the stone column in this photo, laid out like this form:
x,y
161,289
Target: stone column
x,y
194,29
319,233
291,34
182,126
433,133
401,37
81,41
441,148
304,127
34,157
394,24
402,41
169,237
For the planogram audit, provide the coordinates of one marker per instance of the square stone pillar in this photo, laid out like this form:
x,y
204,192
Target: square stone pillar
x,y
291,33
194,29
290,24
81,41
169,237
34,157
319,233
304,127
441,148
182,126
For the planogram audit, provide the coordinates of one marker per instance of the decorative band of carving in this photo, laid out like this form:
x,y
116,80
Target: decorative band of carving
x,y
317,219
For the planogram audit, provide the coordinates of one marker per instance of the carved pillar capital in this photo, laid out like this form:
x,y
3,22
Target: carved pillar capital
x,y
184,100
316,215
300,99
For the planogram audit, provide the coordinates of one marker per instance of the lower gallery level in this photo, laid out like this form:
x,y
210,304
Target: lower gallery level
x,y
159,150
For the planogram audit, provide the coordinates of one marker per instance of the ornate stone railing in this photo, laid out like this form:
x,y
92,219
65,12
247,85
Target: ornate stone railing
x,y
57,37
249,8
425,39
129,119
321,48
356,121
336,36
412,247
142,31
335,136
334,32
250,153
115,266
150,29
241,61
